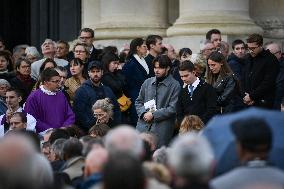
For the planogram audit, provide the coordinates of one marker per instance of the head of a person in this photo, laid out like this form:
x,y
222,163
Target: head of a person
x,y
185,54
2,45
171,53
191,158
4,86
57,134
187,72
191,123
32,54
157,171
13,98
161,156
110,49
56,149
18,121
72,148
23,67
239,48
95,72
254,44
151,138
110,62
275,49
162,65
103,110
214,36
6,63
206,48
87,36
62,49
47,63
124,138
217,66
154,43
90,143
50,79
138,46
224,48
81,51
125,49
48,47
95,161
99,130
77,67
253,138
19,51
62,74
121,162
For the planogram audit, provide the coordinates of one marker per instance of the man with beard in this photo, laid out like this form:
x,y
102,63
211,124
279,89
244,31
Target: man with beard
x,y
89,92
156,103
236,58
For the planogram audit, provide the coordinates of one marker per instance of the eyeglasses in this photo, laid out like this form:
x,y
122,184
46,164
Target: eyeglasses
x,y
85,37
252,48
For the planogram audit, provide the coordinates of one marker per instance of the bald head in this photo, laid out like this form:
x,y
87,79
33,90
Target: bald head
x,y
275,49
95,161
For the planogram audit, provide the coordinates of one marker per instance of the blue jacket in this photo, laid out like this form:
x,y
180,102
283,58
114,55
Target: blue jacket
x,y
135,75
84,99
236,64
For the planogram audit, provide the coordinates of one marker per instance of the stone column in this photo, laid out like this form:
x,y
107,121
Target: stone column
x,y
270,16
127,19
197,17
90,13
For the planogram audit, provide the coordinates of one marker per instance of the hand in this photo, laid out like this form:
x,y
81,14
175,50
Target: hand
x,y
247,100
148,116
9,114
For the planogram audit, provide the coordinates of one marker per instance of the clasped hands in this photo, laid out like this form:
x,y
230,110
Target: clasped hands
x,y
247,100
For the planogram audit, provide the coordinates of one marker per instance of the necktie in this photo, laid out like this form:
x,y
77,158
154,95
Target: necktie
x,y
190,89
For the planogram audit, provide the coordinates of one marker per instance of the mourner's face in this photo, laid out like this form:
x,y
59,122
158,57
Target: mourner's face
x,y
254,49
80,52
76,69
95,75
185,56
16,123
86,37
24,68
240,50
48,47
142,50
157,47
53,84
101,116
160,72
3,63
187,77
61,50
216,39
113,66
63,77
12,99
214,67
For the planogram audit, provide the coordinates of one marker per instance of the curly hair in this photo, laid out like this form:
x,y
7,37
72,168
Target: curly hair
x,y
105,105
191,123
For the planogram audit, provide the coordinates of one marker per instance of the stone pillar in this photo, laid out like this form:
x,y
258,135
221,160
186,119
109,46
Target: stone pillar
x,y
90,13
127,19
197,17
270,16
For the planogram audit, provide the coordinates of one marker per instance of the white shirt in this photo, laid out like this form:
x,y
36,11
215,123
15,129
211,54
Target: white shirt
x,y
142,62
195,84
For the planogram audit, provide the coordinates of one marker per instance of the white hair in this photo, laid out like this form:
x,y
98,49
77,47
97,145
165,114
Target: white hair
x,y
124,138
32,51
191,156
203,44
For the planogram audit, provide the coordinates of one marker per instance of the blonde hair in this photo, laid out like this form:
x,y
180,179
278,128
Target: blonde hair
x,y
191,123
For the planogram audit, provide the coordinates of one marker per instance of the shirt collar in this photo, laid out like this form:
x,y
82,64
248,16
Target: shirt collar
x,y
45,91
195,83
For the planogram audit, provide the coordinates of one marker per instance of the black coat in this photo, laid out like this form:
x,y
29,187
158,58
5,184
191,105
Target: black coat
x,y
116,81
202,103
259,79
236,64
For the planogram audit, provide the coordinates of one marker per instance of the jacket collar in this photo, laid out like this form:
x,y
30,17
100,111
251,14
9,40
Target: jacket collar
x,y
167,81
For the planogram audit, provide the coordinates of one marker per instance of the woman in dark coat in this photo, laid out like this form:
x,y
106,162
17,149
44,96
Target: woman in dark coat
x,y
221,77
136,71
23,80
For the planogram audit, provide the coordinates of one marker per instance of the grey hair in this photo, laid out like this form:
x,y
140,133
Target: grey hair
x,y
5,82
191,156
203,44
19,47
161,155
124,138
48,40
32,51
104,104
57,147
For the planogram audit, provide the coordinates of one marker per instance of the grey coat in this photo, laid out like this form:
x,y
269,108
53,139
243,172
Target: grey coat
x,y
166,97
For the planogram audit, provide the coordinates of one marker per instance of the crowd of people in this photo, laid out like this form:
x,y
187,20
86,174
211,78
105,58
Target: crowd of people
x,y
83,117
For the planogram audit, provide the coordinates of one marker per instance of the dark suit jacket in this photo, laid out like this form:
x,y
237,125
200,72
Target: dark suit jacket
x,y
203,102
259,79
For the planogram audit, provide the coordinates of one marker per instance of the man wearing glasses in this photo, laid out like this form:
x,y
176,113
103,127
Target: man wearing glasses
x,y
259,79
48,105
87,36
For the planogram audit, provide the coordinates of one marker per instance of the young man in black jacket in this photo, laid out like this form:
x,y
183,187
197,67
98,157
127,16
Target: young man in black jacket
x,y
197,97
